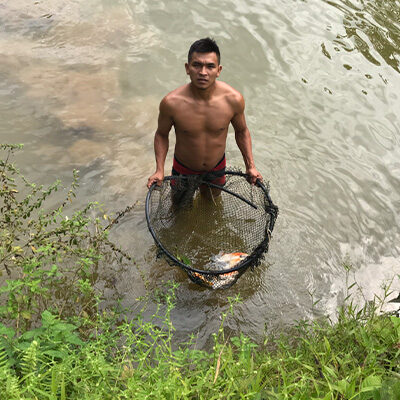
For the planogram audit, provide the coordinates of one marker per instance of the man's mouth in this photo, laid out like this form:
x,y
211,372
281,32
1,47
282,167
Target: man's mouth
x,y
202,80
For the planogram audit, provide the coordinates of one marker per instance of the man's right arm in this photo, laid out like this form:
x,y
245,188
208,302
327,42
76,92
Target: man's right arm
x,y
161,141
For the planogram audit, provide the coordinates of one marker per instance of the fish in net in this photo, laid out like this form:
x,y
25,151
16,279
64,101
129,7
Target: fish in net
x,y
213,232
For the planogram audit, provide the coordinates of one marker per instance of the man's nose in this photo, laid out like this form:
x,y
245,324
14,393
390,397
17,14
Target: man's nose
x,y
203,70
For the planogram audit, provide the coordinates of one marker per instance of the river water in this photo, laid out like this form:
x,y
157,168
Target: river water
x,y
80,84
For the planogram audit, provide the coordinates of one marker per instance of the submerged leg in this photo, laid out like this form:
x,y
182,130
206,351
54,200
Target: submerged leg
x,y
209,193
182,193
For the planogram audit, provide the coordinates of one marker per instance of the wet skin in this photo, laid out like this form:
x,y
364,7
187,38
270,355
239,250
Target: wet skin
x,y
201,112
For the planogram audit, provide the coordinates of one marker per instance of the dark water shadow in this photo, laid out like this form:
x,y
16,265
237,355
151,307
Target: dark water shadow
x,y
378,20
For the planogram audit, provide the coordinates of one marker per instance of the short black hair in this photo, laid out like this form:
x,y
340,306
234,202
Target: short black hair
x,y
206,45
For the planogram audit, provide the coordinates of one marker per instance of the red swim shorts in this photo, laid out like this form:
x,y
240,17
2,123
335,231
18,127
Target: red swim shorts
x,y
217,173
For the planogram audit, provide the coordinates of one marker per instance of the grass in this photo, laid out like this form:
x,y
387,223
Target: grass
x,y
355,358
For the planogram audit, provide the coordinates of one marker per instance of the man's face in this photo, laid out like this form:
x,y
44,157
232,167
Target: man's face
x,y
203,69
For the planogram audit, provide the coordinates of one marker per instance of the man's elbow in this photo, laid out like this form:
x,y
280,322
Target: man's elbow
x,y
241,134
161,135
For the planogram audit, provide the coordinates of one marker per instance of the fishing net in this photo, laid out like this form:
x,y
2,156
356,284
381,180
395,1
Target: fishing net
x,y
213,232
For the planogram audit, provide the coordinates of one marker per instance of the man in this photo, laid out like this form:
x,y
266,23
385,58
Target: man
x,y
201,112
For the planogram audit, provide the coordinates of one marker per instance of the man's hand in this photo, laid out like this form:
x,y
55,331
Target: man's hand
x,y
253,175
156,177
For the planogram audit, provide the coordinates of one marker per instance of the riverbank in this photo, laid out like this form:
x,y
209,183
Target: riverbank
x,y
59,341
356,358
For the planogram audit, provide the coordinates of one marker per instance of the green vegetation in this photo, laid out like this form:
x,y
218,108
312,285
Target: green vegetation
x,y
56,342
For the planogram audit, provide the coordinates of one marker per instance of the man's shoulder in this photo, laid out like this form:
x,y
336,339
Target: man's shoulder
x,y
233,96
228,91
170,102
176,96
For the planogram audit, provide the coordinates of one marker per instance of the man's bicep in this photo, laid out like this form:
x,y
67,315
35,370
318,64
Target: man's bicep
x,y
165,120
239,121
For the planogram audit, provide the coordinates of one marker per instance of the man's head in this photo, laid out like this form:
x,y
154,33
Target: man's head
x,y
203,64
205,45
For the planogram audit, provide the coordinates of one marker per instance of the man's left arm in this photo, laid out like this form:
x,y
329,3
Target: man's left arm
x,y
243,140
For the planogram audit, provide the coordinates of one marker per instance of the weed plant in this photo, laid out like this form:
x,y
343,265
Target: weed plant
x,y
55,343
49,261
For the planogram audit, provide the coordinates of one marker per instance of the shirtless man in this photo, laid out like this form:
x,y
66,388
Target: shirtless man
x,y
201,112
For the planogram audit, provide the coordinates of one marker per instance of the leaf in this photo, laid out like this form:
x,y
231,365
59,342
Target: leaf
x,y
341,386
24,345
47,318
74,339
329,370
63,326
56,353
26,315
396,323
6,331
371,382
327,345
17,249
34,333
184,259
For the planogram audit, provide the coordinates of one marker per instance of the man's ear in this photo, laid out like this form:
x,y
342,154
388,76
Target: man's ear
x,y
219,69
187,68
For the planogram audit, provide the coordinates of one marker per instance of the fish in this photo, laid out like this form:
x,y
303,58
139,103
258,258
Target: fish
x,y
221,261
227,260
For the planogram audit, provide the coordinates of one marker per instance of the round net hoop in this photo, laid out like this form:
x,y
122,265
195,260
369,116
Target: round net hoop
x,y
191,218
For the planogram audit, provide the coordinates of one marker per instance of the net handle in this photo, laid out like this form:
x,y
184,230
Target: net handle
x,y
168,178
241,264
272,208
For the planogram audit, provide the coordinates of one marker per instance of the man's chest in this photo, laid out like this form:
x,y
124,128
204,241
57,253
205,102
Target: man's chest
x,y
194,118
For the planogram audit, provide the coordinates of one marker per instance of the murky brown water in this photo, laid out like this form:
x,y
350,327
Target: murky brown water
x,y
80,83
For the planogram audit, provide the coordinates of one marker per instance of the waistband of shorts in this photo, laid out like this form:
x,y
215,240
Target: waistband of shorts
x,y
182,169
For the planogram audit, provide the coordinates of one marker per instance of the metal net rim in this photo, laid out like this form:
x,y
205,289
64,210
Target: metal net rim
x,y
251,259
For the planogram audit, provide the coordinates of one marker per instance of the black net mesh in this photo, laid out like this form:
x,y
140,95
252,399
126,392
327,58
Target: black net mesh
x,y
214,232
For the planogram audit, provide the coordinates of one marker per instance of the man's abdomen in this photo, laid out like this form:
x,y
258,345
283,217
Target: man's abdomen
x,y
201,152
